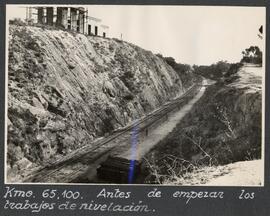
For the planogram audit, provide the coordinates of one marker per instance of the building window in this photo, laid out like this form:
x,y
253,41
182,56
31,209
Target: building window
x,y
96,30
89,29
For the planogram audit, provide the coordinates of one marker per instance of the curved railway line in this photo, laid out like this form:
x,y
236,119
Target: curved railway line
x,y
83,157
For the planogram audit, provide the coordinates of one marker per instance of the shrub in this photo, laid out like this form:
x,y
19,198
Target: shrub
x,y
17,21
253,54
233,69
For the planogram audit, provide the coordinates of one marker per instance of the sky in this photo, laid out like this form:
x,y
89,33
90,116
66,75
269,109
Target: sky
x,y
199,35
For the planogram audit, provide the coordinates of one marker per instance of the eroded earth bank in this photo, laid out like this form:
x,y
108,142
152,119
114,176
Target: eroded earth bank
x,y
222,128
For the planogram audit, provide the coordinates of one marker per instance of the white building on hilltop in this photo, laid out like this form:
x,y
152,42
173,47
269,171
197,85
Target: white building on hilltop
x,y
71,18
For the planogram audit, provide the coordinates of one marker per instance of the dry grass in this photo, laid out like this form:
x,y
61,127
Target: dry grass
x,y
182,172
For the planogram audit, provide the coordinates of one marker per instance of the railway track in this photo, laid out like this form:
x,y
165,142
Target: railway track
x,y
59,171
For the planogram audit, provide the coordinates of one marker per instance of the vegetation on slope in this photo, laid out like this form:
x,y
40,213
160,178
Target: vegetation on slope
x,y
223,127
184,71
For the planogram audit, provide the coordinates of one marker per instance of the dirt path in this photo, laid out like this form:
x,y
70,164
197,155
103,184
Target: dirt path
x,y
143,145
243,173
246,173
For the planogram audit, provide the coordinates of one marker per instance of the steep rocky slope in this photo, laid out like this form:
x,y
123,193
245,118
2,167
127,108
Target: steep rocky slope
x,y
65,89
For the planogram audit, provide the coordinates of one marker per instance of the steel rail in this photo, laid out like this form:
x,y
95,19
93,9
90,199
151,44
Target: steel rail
x,y
44,173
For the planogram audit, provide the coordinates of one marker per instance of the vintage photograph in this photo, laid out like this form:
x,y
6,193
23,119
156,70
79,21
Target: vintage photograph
x,y
138,95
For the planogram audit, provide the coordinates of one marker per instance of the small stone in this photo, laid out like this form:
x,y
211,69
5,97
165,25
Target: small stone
x,y
71,66
37,103
68,141
24,163
55,125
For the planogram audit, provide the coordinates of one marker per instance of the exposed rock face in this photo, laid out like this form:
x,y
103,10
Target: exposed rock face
x,y
66,89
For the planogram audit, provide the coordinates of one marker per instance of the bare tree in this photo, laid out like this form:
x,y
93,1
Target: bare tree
x,y
224,118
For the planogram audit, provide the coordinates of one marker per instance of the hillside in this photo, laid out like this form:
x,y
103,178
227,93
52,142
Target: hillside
x,y
222,128
66,89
